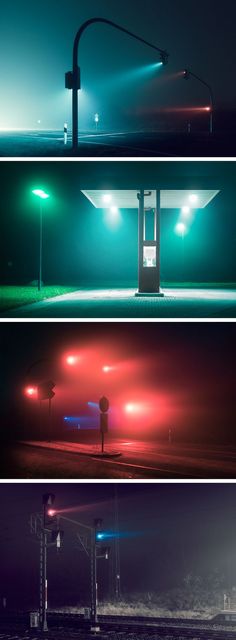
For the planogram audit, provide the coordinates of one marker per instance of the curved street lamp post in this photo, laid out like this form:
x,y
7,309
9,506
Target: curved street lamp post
x,y
72,78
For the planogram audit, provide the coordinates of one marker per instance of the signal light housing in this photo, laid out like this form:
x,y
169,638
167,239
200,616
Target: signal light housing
x,y
72,80
164,57
45,390
104,404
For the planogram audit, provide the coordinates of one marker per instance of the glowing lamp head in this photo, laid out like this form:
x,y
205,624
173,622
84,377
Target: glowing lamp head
x,y
40,193
207,108
180,228
106,198
106,368
31,392
99,536
164,57
114,209
193,198
51,513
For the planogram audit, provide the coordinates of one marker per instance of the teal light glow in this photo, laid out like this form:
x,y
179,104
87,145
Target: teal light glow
x,y
180,229
112,217
133,75
139,72
109,535
185,211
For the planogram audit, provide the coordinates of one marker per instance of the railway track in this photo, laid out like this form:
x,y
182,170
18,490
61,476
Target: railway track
x,y
122,627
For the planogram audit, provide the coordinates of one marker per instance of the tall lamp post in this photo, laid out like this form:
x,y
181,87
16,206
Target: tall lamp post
x,y
72,78
189,74
42,195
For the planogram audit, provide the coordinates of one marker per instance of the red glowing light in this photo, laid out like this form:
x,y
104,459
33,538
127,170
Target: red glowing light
x,y
51,512
71,360
31,392
106,368
166,110
131,408
139,408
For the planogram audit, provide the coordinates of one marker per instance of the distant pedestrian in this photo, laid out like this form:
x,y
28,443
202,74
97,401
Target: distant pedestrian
x,y
65,132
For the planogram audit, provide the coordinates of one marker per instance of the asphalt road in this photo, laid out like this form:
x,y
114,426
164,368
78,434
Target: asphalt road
x,y
122,303
118,143
139,459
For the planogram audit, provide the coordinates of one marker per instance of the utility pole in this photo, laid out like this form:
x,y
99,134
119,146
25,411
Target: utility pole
x,y
48,500
43,580
117,547
93,577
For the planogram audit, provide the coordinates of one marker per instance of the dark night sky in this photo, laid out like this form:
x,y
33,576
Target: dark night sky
x,y
80,248
36,50
179,528
182,374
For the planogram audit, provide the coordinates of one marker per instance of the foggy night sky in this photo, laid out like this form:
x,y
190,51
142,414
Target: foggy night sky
x,y
36,51
184,373
79,248
179,529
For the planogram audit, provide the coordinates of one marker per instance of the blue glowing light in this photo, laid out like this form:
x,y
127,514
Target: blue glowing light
x,y
93,405
80,422
112,535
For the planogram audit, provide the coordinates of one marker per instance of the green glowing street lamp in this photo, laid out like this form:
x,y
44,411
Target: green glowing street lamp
x,y
42,195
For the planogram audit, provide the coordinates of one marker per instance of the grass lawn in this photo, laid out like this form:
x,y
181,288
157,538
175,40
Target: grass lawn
x,y
11,296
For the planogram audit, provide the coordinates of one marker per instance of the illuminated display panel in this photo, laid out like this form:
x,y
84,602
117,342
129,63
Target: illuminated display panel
x,y
149,257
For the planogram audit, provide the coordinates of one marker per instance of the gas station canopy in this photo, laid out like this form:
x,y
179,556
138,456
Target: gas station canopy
x,y
149,200
169,199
